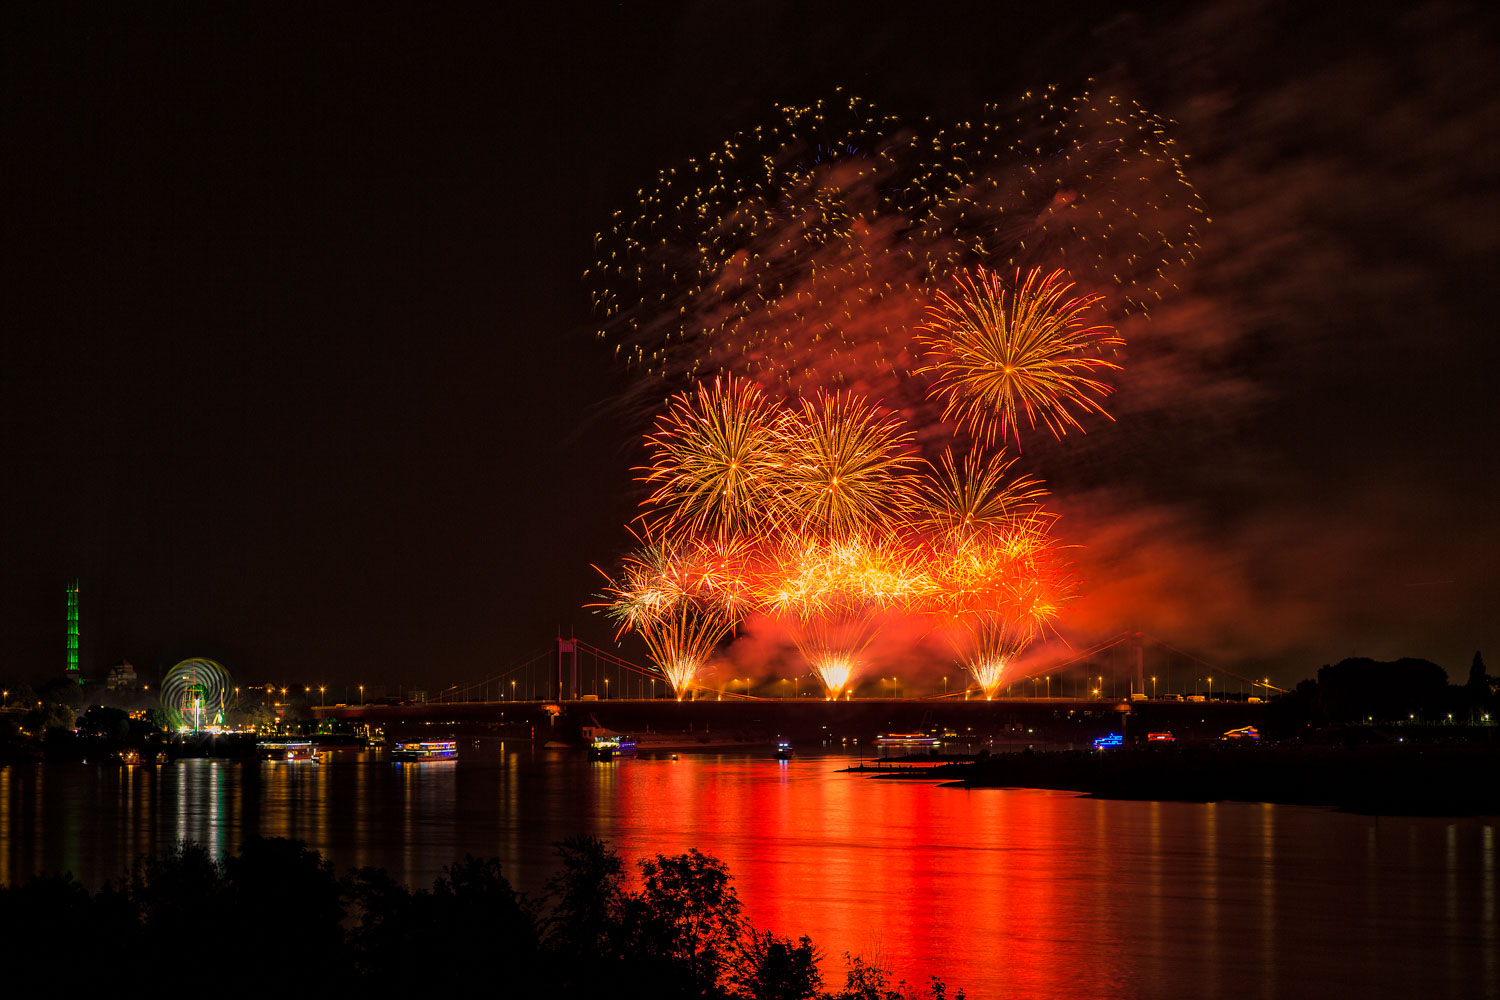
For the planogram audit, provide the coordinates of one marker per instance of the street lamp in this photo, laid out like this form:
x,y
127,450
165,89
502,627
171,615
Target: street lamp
x,y
512,690
606,689
322,696
1210,687
361,694
1153,689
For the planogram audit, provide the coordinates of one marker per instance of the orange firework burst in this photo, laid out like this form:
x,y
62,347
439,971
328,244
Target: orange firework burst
x,y
993,644
834,596
846,467
997,589
1000,357
682,599
682,641
803,255
954,502
715,458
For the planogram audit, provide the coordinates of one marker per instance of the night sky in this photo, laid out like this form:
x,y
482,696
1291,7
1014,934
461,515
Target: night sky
x,y
300,374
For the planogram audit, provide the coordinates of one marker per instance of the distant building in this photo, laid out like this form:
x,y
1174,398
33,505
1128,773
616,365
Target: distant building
x,y
122,677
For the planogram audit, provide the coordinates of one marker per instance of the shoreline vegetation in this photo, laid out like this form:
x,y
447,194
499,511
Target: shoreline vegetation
x,y
676,930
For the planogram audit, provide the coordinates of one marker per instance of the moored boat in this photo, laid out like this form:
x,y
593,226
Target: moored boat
x,y
908,740
610,747
287,750
424,750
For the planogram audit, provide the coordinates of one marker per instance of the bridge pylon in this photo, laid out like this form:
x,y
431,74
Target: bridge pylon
x,y
567,676
1140,664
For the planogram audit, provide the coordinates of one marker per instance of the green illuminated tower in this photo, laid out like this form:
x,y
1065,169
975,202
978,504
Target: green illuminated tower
x,y
72,669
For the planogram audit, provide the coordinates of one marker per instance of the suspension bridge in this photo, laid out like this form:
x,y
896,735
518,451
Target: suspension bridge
x,y
1124,666
1129,681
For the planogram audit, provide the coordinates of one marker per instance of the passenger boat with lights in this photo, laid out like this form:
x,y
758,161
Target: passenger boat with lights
x,y
610,747
424,750
288,750
783,751
919,740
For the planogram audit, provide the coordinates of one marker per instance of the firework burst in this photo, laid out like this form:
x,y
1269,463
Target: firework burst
x,y
716,460
834,596
846,467
682,640
998,358
801,252
997,589
955,501
838,255
682,599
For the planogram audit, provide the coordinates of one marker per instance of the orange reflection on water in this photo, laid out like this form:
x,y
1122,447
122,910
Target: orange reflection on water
x,y
919,879
1003,892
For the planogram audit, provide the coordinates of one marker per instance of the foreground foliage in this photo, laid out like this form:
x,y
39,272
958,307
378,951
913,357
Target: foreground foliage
x,y
277,916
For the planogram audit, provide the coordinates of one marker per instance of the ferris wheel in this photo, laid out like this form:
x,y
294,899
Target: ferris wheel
x,y
193,694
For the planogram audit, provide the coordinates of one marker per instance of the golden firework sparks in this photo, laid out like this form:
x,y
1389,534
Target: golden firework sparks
x,y
1032,354
716,459
956,500
847,465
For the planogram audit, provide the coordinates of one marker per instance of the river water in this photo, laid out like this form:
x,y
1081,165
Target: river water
x,y
1004,892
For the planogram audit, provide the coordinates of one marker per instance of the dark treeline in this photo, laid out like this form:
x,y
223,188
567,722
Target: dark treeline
x,y
1379,779
275,918
1358,691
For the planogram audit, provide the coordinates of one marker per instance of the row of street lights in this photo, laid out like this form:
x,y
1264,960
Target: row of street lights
x,y
1096,688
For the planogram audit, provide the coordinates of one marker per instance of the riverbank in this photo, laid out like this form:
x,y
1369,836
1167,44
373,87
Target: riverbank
x,y
682,930
1400,780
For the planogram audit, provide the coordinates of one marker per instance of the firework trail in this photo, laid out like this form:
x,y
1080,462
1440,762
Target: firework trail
x,y
1000,357
682,640
992,642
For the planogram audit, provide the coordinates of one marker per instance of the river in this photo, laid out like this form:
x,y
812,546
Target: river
x,y
1004,892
